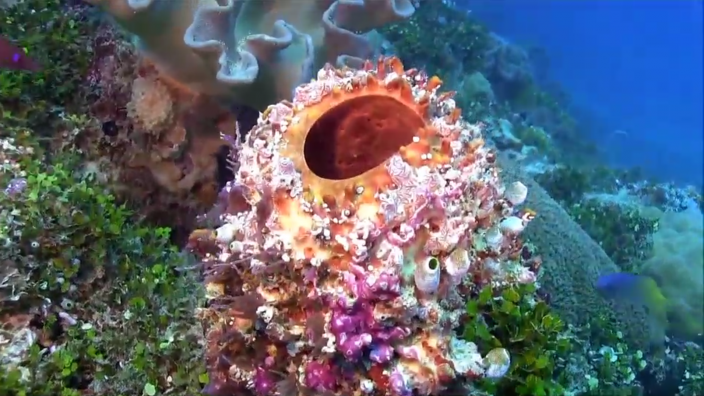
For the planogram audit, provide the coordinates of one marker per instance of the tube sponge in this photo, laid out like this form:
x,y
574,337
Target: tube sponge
x,y
251,51
678,266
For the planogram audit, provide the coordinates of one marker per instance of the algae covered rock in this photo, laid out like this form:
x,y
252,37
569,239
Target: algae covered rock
x,y
476,87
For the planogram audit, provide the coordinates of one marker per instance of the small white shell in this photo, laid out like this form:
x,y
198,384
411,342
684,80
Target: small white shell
x,y
226,233
427,275
496,363
516,193
512,225
457,265
493,237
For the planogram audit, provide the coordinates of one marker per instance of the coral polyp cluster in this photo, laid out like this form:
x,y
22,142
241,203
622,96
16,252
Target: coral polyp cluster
x,y
362,217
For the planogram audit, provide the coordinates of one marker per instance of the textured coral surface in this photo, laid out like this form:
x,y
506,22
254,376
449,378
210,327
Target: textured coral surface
x,y
160,144
253,51
362,216
572,262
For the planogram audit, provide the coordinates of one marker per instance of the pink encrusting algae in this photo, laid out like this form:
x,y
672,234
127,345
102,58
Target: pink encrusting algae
x,y
362,217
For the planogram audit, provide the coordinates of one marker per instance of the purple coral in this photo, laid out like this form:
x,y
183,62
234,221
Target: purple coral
x,y
355,329
352,346
398,384
16,186
385,286
343,323
381,353
320,376
409,352
264,382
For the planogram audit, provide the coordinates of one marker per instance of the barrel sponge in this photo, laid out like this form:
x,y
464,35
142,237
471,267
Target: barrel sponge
x,y
571,264
678,266
253,52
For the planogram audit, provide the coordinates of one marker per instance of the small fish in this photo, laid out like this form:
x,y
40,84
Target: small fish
x,y
638,290
14,58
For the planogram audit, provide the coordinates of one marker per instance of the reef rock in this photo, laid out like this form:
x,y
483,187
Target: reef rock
x,y
159,145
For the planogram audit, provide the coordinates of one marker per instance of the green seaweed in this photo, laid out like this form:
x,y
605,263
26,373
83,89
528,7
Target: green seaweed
x,y
113,302
58,38
73,251
533,335
459,41
547,356
623,232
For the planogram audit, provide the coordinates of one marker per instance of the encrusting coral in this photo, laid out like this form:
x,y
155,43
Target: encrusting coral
x,y
362,216
255,52
159,143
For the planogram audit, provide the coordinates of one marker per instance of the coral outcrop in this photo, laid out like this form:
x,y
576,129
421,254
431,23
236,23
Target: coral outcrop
x,y
255,52
159,145
572,262
362,217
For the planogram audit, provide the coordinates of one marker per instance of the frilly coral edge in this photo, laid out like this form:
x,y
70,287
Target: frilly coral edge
x,y
225,48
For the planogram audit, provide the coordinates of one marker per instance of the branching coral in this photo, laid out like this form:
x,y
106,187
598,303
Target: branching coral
x,y
254,51
362,216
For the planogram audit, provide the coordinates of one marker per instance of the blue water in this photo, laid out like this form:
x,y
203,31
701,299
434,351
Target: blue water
x,y
634,65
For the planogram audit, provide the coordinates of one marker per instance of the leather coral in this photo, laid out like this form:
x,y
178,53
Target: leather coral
x,y
250,51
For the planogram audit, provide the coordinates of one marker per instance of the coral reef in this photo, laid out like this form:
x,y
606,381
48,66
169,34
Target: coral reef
x,y
154,142
78,271
294,306
362,217
254,52
454,50
572,262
